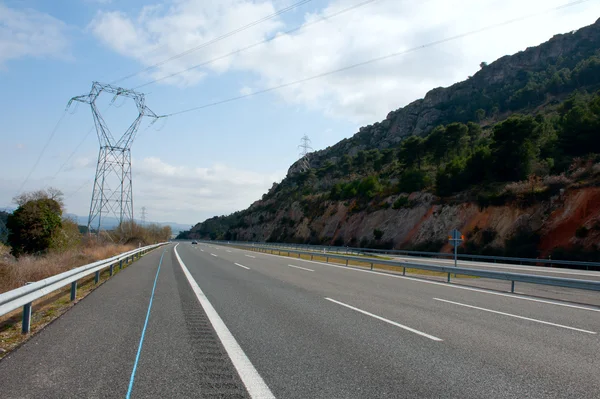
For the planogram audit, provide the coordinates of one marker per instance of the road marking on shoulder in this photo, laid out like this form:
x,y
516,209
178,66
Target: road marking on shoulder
x,y
250,256
256,386
237,264
303,268
139,351
516,316
467,264
386,320
420,280
214,255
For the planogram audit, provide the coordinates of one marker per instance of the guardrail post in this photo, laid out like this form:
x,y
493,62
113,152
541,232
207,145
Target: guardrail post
x,y
97,277
448,277
121,264
404,270
512,286
73,290
346,262
26,318
371,265
111,269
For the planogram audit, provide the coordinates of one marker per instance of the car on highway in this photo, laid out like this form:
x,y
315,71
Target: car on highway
x,y
194,242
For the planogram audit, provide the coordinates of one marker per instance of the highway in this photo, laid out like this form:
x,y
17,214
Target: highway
x,y
219,322
587,297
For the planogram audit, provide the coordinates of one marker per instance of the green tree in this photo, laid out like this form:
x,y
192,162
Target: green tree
x,y
436,145
361,159
412,180
514,148
474,133
33,225
456,138
580,125
346,164
369,186
412,151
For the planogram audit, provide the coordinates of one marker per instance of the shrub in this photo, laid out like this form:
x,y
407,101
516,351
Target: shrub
x,y
413,180
581,232
401,202
377,234
32,226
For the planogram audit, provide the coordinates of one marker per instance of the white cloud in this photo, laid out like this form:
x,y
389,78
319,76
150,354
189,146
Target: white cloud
x,y
380,28
161,31
181,192
29,33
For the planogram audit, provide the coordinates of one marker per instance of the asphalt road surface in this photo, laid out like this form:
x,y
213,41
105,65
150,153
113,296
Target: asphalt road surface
x,y
218,322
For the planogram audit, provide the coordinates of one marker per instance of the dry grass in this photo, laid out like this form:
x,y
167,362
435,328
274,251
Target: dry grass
x,y
45,310
14,274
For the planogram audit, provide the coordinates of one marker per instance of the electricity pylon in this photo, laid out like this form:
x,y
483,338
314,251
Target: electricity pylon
x,y
113,189
305,150
3,232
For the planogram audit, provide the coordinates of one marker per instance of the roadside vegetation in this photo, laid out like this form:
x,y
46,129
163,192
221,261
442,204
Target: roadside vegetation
x,y
42,243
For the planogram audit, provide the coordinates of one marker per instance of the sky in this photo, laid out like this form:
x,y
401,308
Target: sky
x,y
219,159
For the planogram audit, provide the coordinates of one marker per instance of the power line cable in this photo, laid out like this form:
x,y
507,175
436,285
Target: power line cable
x,y
377,59
80,143
78,189
52,134
296,29
73,152
226,35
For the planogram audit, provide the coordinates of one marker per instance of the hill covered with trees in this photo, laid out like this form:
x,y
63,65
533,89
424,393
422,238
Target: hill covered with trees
x,y
504,155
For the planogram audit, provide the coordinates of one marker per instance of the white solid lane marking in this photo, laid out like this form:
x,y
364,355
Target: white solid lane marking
x,y
516,316
237,264
201,250
256,386
303,268
229,251
420,280
386,320
213,255
250,256
467,264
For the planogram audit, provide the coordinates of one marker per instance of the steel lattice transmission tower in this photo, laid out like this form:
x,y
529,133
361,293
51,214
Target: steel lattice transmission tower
x,y
305,150
3,232
113,190
143,216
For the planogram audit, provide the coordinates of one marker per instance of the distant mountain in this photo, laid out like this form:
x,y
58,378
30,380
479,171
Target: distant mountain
x,y
111,222
510,156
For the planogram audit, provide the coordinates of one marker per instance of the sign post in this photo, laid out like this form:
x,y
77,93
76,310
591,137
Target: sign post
x,y
455,238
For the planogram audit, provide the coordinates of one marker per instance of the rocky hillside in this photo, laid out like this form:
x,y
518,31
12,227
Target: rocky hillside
x,y
510,156
513,83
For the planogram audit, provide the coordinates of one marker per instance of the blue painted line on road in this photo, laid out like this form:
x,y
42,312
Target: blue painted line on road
x,y
139,351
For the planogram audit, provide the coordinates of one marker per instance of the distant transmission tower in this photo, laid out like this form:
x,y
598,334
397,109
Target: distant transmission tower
x,y
113,190
305,150
3,232
143,216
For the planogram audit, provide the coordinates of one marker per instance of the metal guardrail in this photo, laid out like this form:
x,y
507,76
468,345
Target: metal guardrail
x,y
24,296
492,259
513,277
